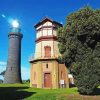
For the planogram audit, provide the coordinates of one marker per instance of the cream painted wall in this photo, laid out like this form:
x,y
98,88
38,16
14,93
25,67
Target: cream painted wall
x,y
54,32
39,34
50,31
45,24
38,50
45,31
56,49
49,23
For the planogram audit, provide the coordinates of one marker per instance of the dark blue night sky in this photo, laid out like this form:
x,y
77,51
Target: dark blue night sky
x,y
30,12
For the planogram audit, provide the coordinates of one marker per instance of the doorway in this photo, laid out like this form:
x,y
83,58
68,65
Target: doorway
x,y
47,80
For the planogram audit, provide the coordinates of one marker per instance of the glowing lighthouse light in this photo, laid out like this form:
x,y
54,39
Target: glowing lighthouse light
x,y
15,24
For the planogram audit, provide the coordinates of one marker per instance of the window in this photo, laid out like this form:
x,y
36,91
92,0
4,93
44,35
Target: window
x,y
47,51
49,31
46,65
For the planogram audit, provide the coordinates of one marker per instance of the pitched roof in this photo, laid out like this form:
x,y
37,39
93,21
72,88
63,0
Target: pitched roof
x,y
46,19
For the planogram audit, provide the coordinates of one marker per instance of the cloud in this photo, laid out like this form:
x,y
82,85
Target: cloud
x,y
25,71
3,15
2,63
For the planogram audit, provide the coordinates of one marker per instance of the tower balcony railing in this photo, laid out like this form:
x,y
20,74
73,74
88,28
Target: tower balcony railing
x,y
39,55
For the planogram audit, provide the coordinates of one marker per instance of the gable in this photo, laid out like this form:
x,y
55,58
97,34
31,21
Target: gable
x,y
45,21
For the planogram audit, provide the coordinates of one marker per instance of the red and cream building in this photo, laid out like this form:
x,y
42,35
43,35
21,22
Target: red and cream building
x,y
46,71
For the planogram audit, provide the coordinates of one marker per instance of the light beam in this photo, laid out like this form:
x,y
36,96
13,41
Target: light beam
x,y
15,24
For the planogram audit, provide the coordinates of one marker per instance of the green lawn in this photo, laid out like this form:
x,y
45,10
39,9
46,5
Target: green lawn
x,y
24,92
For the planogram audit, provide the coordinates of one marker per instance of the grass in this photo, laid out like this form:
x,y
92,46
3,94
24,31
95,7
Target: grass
x,y
24,92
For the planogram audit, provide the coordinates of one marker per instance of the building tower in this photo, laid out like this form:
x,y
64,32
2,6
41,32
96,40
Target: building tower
x,y
13,70
46,70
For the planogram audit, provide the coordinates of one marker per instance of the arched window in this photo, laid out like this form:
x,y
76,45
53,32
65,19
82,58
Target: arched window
x,y
47,51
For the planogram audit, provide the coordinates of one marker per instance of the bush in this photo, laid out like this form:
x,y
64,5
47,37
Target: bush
x,y
87,75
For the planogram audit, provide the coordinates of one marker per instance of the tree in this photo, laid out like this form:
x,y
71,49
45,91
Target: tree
x,y
3,73
79,45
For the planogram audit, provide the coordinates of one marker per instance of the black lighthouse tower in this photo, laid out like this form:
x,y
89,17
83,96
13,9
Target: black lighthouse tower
x,y
13,70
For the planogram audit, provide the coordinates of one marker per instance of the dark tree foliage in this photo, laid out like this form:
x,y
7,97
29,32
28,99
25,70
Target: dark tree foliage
x,y
3,73
79,45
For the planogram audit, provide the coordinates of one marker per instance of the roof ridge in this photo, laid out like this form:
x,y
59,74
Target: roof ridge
x,y
47,18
